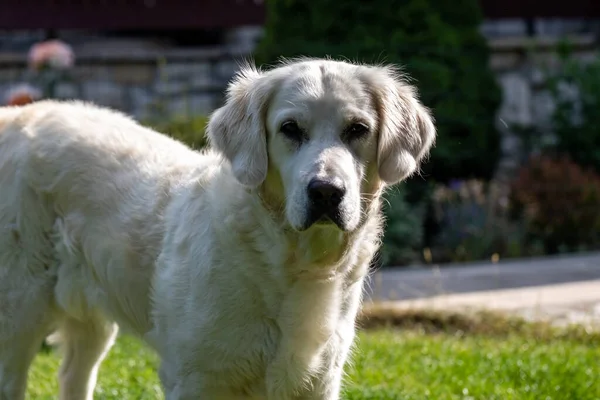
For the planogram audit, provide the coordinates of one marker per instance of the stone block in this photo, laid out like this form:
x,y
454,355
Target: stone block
x,y
134,74
66,91
505,61
105,93
201,75
11,74
516,104
195,104
543,107
177,70
225,69
172,87
141,101
91,72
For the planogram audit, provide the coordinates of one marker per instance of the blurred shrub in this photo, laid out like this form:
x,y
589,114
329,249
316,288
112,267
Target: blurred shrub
x,y
190,130
21,94
437,43
576,120
473,223
403,238
49,64
560,203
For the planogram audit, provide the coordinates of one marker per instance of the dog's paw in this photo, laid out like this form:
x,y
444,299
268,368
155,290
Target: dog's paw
x,y
279,386
286,383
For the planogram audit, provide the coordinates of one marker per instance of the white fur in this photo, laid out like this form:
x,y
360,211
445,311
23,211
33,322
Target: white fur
x,y
203,255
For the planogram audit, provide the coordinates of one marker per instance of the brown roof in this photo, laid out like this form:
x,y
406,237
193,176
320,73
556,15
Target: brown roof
x,y
496,9
183,14
129,14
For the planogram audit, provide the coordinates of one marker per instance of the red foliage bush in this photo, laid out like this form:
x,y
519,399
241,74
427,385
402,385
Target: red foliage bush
x,y
560,202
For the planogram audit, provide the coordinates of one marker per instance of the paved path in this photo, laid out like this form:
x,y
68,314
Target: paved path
x,y
421,282
575,302
562,289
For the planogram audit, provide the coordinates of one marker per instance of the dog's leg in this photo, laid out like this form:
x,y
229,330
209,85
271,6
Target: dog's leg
x,y
85,344
307,320
327,384
16,355
26,317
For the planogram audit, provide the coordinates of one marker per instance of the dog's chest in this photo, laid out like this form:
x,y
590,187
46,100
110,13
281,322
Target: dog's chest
x,y
240,357
242,341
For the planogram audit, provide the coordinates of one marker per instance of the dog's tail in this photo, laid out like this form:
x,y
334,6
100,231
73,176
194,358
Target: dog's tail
x,y
54,339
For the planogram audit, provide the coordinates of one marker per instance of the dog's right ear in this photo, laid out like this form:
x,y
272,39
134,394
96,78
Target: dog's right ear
x,y
406,127
238,128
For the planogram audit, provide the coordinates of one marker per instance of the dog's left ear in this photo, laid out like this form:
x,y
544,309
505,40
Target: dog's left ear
x,y
238,128
406,127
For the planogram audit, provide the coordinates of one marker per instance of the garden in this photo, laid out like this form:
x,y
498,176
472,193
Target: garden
x,y
456,209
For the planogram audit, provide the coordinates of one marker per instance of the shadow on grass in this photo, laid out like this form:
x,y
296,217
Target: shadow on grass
x,y
466,323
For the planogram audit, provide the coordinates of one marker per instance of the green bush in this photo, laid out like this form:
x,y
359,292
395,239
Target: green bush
x,y
403,237
576,120
190,130
437,43
560,202
474,223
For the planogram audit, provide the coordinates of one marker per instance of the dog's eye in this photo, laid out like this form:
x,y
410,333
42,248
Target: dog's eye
x,y
356,131
292,131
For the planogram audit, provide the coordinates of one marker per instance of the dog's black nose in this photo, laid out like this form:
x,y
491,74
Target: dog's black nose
x,y
325,196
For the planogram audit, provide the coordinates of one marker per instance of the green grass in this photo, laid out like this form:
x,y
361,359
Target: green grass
x,y
434,357
127,373
440,366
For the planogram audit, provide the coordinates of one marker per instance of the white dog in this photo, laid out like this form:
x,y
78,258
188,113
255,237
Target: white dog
x,y
242,266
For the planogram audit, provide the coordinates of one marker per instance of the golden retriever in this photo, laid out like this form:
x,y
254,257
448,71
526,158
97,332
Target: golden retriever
x,y
242,265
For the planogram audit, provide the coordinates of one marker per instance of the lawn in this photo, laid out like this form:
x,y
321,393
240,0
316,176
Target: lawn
x,y
413,363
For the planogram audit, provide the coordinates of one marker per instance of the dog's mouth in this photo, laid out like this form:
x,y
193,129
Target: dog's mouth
x,y
333,218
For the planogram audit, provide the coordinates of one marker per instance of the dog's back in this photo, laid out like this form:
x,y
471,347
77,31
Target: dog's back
x,y
60,162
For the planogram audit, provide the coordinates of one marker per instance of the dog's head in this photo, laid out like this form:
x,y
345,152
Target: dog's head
x,y
321,136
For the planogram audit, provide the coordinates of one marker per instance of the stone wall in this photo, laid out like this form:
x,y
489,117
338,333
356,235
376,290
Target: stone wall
x,y
140,83
522,67
145,78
